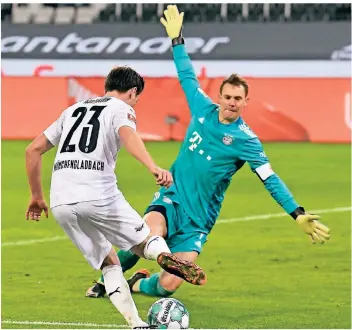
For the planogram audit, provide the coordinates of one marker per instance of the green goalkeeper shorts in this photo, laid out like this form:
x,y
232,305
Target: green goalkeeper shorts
x,y
182,234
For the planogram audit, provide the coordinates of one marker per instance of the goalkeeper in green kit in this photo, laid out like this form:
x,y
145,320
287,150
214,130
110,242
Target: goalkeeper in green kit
x,y
217,144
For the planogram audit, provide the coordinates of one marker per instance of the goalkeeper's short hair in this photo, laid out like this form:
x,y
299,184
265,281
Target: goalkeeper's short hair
x,y
235,80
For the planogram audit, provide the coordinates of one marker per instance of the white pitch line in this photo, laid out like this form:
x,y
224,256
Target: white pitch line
x,y
220,221
92,325
279,215
34,241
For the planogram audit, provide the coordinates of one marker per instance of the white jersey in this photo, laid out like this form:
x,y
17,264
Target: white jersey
x,y
86,134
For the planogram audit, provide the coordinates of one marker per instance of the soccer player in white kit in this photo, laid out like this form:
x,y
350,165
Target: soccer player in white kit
x,y
84,197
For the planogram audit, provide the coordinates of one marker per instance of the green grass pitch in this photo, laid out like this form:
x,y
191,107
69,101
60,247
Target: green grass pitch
x,y
262,273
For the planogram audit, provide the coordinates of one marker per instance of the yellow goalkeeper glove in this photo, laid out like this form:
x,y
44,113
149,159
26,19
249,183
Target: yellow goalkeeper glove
x,y
313,228
173,21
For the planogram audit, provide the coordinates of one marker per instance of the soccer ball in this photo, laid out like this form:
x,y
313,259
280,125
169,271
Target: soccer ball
x,y
168,313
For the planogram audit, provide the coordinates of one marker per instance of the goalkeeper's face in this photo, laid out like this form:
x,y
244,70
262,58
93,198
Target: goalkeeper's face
x,y
232,100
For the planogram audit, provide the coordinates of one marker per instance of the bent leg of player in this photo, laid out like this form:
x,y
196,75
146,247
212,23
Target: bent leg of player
x,y
98,251
155,219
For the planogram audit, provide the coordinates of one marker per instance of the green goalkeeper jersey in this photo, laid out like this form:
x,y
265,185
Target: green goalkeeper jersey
x,y
212,153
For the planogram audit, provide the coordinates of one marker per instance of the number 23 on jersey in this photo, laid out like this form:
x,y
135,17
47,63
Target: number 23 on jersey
x,y
94,123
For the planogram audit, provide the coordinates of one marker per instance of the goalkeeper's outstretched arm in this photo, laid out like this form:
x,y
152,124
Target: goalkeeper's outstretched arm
x,y
253,153
196,98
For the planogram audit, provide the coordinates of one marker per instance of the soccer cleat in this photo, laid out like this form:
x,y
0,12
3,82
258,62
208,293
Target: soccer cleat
x,y
187,270
138,275
96,291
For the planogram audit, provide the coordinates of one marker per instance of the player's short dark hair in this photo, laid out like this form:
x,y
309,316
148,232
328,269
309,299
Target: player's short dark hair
x,y
122,79
235,80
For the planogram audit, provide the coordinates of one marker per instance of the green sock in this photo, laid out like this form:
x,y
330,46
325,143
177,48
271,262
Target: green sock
x,y
127,258
151,287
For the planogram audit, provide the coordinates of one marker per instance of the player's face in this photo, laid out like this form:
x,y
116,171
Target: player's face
x,y
232,100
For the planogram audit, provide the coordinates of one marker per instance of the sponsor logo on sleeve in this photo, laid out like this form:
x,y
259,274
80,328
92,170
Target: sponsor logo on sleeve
x,y
132,118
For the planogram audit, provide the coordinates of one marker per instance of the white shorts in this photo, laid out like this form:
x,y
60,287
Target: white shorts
x,y
95,226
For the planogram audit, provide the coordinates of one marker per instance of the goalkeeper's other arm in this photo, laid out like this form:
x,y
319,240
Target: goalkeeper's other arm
x,y
278,190
311,226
